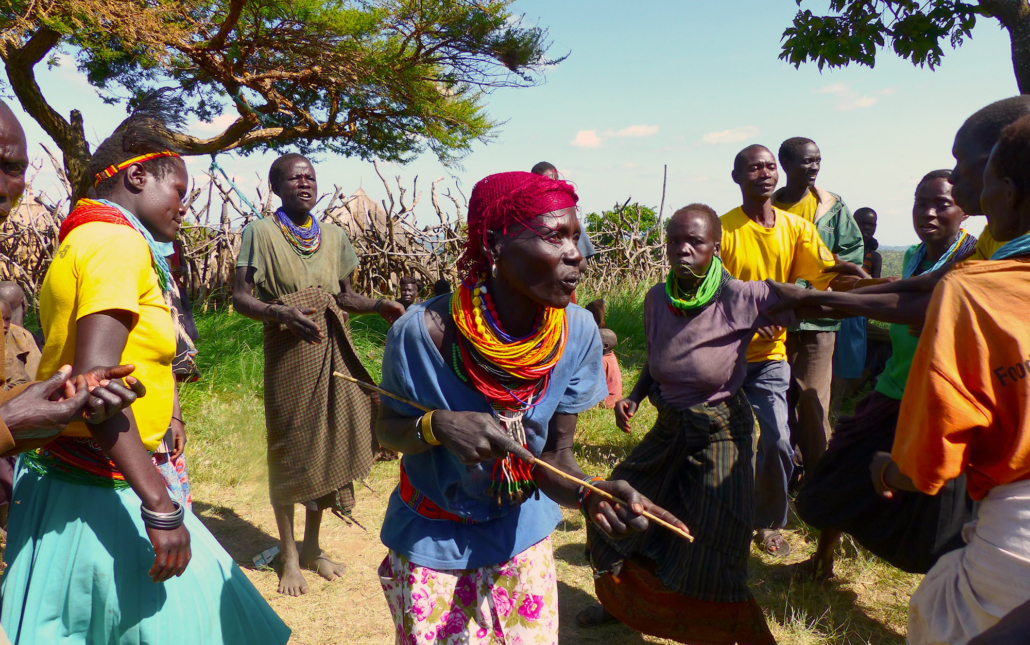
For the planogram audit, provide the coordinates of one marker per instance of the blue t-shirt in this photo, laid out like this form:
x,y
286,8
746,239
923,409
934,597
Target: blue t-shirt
x,y
414,369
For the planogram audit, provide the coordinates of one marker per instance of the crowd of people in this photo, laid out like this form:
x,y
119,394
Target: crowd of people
x,y
767,319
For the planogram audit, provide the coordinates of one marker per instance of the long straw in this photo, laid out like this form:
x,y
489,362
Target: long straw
x,y
525,455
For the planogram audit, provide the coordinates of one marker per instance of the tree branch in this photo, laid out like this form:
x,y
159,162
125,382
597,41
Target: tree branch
x,y
231,18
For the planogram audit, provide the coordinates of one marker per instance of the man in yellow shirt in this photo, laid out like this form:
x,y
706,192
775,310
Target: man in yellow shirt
x,y
810,343
759,242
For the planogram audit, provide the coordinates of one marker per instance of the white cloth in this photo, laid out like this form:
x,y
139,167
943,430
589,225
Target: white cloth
x,y
972,588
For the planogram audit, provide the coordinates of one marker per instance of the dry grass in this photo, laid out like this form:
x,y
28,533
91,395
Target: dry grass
x,y
866,603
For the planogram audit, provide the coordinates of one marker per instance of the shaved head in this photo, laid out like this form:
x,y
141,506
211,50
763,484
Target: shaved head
x,y
11,294
14,159
742,158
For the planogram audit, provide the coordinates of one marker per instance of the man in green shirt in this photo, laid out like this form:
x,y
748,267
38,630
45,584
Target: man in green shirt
x,y
810,344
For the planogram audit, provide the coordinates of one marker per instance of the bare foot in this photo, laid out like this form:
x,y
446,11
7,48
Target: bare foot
x,y
292,582
324,567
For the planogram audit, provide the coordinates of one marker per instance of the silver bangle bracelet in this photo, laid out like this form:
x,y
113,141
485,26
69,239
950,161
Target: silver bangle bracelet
x,y
163,521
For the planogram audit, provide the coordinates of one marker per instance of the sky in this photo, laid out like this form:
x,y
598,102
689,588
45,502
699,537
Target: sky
x,y
682,84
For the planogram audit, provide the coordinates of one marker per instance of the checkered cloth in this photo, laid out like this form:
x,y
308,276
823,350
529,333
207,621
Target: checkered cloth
x,y
320,428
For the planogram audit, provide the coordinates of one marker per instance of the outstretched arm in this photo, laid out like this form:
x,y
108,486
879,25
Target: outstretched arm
x,y
906,308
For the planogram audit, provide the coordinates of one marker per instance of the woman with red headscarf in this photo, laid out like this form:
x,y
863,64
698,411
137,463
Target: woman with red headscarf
x,y
506,364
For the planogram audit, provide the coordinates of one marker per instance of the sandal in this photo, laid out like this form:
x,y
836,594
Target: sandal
x,y
594,616
772,542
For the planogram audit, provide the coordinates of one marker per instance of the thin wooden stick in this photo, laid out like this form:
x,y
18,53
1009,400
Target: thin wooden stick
x,y
533,460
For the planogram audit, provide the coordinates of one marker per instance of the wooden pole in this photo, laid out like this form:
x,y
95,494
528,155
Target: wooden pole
x,y
531,459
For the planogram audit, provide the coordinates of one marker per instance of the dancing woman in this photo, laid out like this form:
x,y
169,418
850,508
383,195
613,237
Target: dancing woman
x,y
97,551
503,360
696,460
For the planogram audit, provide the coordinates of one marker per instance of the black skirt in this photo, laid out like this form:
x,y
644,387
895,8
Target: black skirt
x,y
912,530
696,464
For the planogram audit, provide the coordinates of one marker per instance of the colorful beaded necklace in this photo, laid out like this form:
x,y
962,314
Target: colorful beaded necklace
x,y
304,239
512,373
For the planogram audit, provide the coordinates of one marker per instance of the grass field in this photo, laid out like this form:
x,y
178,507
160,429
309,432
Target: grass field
x,y
866,603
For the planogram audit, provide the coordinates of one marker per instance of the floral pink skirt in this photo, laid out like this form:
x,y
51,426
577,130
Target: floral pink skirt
x,y
514,603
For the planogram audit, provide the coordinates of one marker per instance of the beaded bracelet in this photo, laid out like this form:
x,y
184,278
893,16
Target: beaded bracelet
x,y
163,521
583,494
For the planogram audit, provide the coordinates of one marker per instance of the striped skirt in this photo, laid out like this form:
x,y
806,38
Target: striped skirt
x,y
696,464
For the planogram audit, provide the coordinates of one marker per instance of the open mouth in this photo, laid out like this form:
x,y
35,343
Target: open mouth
x,y
569,284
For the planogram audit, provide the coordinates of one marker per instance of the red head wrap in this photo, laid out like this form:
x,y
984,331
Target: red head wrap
x,y
508,198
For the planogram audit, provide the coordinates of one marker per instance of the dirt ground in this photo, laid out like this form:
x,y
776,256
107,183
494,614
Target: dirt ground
x,y
861,608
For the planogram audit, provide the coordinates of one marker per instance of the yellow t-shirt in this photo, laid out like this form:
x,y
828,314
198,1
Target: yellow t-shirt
x,y
966,407
986,245
805,208
787,252
100,267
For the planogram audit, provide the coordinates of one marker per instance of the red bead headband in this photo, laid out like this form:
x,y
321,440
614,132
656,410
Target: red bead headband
x,y
111,171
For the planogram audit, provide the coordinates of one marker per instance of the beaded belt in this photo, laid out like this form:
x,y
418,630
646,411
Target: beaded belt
x,y
424,506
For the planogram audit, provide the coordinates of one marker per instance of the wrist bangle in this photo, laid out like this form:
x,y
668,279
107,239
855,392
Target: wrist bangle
x,y
583,494
278,310
426,423
163,521
883,471
175,418
375,307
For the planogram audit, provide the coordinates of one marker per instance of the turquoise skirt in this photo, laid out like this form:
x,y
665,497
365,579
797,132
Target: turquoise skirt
x,y
77,561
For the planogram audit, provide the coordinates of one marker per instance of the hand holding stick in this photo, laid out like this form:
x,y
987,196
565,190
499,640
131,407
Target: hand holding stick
x,y
525,455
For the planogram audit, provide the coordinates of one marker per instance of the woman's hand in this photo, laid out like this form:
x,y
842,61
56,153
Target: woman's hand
x,y
625,410
178,439
473,437
171,552
615,519
109,395
390,310
297,321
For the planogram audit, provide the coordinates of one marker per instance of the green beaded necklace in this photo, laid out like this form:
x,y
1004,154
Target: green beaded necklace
x,y
709,288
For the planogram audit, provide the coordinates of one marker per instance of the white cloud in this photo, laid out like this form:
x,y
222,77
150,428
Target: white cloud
x,y
836,88
635,131
217,125
857,103
586,139
735,135
591,138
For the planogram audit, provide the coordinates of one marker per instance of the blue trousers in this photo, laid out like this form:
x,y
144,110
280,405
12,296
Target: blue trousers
x,y
766,389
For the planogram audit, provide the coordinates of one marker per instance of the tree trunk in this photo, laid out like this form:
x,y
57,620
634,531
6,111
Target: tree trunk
x,y
1014,15
70,137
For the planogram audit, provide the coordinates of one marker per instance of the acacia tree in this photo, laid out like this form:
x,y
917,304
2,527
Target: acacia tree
x,y
914,29
382,79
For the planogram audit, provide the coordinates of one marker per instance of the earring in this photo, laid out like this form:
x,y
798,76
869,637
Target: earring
x,y
493,270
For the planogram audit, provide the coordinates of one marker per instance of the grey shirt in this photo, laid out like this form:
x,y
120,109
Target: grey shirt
x,y
701,358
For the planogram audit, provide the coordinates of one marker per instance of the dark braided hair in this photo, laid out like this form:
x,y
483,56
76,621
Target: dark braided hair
x,y
148,129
